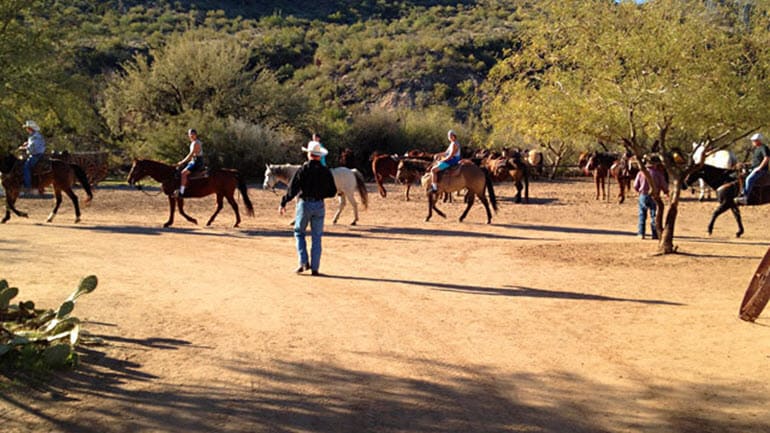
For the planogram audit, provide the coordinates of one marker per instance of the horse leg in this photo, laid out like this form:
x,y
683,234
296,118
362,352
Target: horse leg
x,y
220,201
171,207
519,187
597,181
354,203
485,202
180,203
737,215
469,199
57,203
234,205
430,205
408,185
622,191
722,208
75,203
341,205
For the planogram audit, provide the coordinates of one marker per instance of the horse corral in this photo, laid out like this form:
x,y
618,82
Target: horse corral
x,y
554,318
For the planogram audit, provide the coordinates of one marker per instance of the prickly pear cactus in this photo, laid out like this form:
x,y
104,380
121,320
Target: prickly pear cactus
x,y
39,337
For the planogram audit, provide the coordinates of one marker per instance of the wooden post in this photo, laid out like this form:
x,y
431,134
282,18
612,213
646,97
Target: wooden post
x,y
758,292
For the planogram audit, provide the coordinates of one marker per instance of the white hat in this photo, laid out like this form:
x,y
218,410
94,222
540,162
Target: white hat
x,y
758,137
450,133
31,124
315,148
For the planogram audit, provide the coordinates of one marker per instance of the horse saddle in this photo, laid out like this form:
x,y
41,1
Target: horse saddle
x,y
199,174
43,166
760,191
454,170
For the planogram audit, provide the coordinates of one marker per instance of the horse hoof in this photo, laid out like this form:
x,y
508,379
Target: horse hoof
x,y
353,223
77,220
737,235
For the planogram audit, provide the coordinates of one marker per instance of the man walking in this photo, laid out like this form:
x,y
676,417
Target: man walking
x,y
313,183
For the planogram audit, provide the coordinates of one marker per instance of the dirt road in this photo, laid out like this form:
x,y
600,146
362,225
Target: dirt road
x,y
555,318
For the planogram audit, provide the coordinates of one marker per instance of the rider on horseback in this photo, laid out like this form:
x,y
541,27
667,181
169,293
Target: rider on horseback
x,y
451,158
759,166
35,148
193,160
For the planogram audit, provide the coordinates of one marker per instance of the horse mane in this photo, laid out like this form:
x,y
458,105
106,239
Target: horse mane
x,y
285,170
415,164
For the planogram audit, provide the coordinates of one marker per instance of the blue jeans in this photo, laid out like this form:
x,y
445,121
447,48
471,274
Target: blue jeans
x,y
29,164
646,203
750,180
312,212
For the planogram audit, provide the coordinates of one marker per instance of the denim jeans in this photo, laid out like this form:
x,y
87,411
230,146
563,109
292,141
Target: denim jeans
x,y
312,212
751,179
29,164
646,203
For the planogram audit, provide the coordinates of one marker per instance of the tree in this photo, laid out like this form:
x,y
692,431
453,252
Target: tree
x,y
37,77
646,77
204,79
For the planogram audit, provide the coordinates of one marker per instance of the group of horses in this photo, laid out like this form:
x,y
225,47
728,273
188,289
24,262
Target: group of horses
x,y
474,175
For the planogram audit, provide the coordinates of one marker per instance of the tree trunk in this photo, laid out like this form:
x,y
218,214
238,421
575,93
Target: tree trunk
x,y
554,166
666,245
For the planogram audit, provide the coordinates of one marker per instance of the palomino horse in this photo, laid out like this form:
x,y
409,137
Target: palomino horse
x,y
383,167
727,187
61,175
346,180
721,159
222,182
409,171
470,177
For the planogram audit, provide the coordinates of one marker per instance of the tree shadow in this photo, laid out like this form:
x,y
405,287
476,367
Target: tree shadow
x,y
562,229
513,291
441,232
109,395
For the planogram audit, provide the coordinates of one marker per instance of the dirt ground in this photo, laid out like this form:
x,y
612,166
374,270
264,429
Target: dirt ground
x,y
555,318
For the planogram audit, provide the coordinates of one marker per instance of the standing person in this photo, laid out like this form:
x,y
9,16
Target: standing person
x,y
193,160
313,183
643,186
451,158
35,148
759,165
317,138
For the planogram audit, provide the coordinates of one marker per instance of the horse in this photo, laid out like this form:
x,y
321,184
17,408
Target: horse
x,y
59,174
221,182
727,188
94,163
604,164
535,160
346,180
721,159
383,167
469,176
409,171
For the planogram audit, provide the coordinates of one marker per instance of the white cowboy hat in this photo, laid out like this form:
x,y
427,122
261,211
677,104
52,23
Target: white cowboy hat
x,y
31,124
315,148
758,137
450,133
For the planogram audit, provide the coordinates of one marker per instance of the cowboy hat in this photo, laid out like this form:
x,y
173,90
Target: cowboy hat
x,y
315,148
31,124
758,137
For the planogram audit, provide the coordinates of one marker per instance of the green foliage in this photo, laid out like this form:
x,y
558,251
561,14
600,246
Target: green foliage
x,y
37,340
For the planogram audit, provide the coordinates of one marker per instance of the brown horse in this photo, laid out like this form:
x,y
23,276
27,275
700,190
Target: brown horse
x,y
383,167
511,167
471,177
59,174
222,182
604,164
409,171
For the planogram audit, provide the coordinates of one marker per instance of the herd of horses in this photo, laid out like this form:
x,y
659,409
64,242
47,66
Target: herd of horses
x,y
475,175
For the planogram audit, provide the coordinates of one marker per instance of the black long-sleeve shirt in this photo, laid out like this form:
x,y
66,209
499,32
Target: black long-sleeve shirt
x,y
312,181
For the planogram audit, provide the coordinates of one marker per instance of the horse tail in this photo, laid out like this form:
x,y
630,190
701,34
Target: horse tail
x,y
490,188
361,184
83,179
245,194
378,177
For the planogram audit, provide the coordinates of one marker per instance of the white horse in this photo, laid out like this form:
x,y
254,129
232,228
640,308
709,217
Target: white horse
x,y
721,159
346,180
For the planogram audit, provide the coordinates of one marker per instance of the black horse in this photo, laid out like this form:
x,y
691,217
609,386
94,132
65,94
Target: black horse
x,y
724,182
